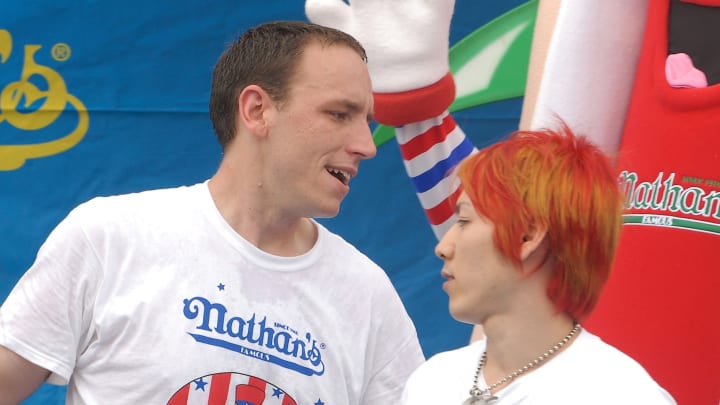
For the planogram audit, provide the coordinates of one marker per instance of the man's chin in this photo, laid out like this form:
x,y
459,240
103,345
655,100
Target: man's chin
x,y
327,212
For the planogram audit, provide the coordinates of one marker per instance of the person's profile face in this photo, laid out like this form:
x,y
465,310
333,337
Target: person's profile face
x,y
321,130
478,275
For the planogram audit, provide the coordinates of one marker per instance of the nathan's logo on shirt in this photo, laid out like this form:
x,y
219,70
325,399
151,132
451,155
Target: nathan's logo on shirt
x,y
271,342
31,104
672,201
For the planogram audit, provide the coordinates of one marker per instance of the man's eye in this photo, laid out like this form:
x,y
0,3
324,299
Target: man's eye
x,y
339,115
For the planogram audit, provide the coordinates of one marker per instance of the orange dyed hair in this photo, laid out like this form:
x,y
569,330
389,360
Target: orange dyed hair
x,y
559,181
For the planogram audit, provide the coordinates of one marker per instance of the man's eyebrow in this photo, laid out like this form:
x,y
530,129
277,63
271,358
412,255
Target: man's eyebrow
x,y
459,205
354,107
350,105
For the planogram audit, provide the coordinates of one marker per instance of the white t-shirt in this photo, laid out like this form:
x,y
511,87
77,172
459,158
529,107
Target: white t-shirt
x,y
588,372
152,298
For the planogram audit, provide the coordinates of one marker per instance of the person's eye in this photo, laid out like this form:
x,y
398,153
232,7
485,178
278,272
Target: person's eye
x,y
338,115
462,222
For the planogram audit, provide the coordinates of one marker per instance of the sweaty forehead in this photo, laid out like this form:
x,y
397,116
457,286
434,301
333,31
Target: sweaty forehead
x,y
336,71
319,61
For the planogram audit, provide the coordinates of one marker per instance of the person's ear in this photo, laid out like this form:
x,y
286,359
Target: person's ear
x,y
253,104
532,240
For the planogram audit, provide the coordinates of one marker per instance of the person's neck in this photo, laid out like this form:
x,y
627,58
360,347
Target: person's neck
x,y
515,341
243,205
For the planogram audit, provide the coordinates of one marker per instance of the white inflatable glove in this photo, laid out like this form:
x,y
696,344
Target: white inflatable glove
x,y
407,42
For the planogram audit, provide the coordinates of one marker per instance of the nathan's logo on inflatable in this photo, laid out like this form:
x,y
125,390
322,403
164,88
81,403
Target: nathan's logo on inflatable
x,y
273,342
33,103
672,201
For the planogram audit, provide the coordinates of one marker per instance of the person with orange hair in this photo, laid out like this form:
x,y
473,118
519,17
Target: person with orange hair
x,y
642,80
537,223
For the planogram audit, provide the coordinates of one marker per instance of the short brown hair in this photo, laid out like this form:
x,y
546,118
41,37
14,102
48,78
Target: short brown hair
x,y
266,55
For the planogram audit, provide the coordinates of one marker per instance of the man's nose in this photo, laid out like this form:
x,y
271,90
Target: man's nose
x,y
363,143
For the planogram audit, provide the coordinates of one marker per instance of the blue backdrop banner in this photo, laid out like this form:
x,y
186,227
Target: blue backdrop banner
x,y
103,98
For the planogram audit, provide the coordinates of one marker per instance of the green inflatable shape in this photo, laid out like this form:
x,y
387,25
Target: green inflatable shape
x,y
502,46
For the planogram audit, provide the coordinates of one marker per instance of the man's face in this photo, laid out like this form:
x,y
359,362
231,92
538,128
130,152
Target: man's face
x,y
320,133
481,281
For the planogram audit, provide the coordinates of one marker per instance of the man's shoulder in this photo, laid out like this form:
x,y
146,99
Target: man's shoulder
x,y
590,347
142,208
604,365
339,245
139,201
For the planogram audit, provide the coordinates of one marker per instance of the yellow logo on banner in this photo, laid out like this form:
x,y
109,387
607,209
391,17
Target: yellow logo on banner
x,y
18,96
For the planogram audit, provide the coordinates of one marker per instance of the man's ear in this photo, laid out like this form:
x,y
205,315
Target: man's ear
x,y
532,241
253,104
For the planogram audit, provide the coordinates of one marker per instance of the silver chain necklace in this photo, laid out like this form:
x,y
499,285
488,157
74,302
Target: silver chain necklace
x,y
485,396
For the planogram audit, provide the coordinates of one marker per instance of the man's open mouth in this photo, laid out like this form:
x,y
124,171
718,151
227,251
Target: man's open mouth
x,y
341,175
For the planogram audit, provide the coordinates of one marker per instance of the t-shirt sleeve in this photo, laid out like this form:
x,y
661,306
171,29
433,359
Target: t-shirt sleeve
x,y
45,319
394,352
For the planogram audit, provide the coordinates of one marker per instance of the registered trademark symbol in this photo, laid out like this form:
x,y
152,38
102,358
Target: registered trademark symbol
x,y
323,346
61,52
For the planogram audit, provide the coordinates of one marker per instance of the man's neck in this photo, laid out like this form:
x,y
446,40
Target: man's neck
x,y
514,342
241,203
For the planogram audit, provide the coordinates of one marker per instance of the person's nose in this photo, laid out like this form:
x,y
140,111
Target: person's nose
x,y
443,249
362,142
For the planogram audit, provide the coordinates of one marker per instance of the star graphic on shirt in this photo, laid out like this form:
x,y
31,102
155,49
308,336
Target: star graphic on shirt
x,y
319,402
200,384
277,392
221,287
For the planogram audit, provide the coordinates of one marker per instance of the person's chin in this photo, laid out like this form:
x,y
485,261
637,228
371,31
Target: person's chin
x,y
461,314
327,212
